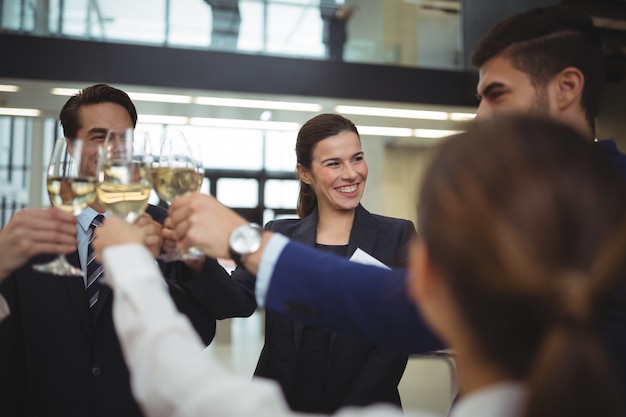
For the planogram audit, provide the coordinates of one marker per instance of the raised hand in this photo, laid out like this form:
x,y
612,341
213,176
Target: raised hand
x,y
152,230
32,232
115,231
199,220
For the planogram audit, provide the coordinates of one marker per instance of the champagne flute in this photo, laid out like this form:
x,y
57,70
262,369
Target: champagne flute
x,y
123,173
176,173
69,190
196,149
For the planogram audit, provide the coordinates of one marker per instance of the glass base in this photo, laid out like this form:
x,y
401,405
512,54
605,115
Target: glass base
x,y
192,254
59,266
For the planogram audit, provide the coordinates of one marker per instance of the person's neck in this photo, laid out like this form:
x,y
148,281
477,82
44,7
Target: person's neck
x,y
334,226
474,372
578,121
97,206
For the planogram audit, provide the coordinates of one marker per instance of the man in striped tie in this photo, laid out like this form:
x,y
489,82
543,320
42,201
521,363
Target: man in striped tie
x,y
60,352
94,269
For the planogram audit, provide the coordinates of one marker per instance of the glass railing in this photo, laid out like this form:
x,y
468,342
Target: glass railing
x,y
414,33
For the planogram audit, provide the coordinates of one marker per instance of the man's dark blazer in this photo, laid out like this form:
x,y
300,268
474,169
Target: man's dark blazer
x,y
58,361
358,372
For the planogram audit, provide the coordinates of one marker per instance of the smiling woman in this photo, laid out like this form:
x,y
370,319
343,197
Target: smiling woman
x,y
321,371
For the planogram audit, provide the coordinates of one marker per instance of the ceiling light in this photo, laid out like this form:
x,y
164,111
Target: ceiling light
x,y
64,91
164,120
390,112
384,131
9,88
257,104
462,116
434,133
160,98
7,111
243,124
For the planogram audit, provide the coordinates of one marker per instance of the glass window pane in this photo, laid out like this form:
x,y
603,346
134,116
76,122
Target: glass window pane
x,y
189,23
21,135
281,193
141,21
294,30
5,149
251,29
269,214
280,152
231,148
206,186
235,192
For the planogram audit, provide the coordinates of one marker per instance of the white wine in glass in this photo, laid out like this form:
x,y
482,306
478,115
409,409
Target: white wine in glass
x,y
170,182
68,190
174,174
124,173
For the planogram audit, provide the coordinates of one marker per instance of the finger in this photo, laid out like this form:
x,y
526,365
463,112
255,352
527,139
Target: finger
x,y
40,224
152,239
60,215
168,234
61,237
167,223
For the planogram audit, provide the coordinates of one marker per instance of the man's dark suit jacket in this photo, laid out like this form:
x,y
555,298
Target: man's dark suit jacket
x,y
358,372
58,361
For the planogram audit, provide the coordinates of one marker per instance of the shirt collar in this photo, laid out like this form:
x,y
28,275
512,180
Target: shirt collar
x,y
86,216
499,400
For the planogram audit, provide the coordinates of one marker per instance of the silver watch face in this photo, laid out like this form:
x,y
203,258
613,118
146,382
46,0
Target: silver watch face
x,y
245,239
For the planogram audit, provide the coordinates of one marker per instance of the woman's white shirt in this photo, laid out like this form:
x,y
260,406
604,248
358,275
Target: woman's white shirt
x,y
172,374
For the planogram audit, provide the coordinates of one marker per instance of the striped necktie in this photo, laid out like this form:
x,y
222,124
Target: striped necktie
x,y
94,269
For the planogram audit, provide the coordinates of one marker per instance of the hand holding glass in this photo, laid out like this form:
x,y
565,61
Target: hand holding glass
x,y
69,190
175,174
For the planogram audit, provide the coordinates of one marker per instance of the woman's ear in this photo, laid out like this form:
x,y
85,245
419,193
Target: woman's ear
x,y
421,272
429,290
303,174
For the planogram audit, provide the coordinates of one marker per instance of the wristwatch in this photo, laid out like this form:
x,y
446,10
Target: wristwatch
x,y
244,241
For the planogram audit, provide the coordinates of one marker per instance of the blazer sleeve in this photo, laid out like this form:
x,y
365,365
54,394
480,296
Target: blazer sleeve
x,y
208,295
12,361
340,295
222,295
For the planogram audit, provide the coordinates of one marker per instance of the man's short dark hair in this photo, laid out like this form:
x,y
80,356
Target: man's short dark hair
x,y
542,42
95,94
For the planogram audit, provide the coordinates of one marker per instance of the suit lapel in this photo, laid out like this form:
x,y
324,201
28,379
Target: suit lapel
x,y
364,231
307,234
307,231
103,296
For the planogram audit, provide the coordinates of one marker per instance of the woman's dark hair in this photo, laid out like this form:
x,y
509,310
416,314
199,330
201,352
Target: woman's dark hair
x,y
95,94
314,130
526,220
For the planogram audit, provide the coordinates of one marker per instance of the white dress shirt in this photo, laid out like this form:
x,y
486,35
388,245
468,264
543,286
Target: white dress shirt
x,y
172,374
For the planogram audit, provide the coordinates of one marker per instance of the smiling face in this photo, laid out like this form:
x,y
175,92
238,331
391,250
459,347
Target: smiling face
x,y
96,120
504,88
338,172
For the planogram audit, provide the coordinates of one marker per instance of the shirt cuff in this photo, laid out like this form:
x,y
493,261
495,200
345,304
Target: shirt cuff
x,y
273,248
4,308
